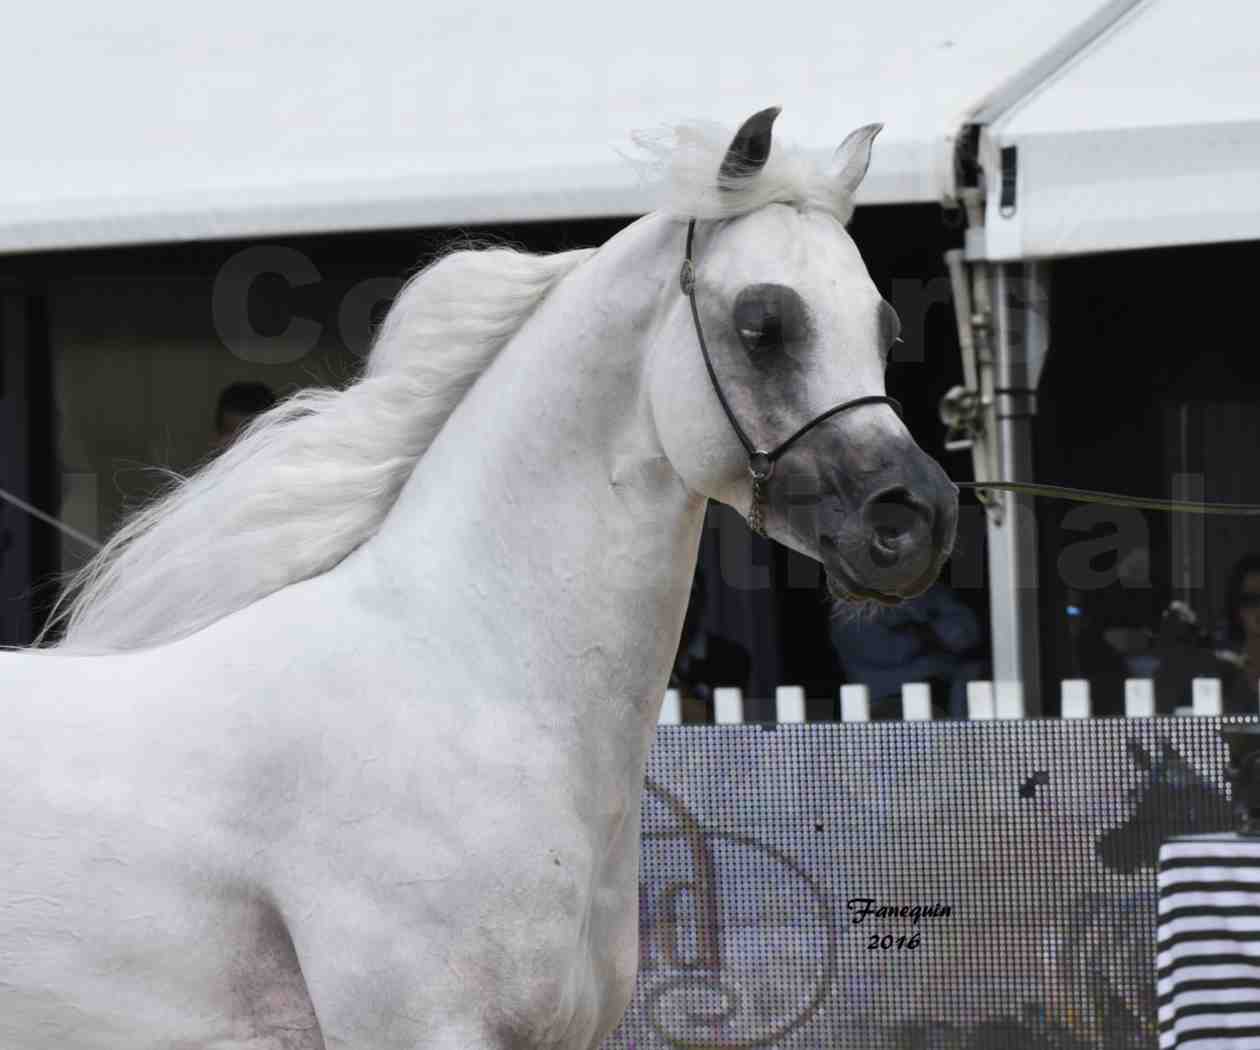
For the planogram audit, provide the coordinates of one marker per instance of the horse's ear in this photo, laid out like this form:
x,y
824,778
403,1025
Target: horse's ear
x,y
748,151
853,157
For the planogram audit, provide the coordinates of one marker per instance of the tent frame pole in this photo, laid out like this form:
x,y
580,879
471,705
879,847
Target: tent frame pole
x,y
1020,326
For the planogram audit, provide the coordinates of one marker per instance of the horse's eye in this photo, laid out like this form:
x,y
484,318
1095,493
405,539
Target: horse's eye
x,y
768,316
760,328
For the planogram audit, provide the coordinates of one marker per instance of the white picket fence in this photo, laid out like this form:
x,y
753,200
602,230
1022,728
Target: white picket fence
x,y
984,700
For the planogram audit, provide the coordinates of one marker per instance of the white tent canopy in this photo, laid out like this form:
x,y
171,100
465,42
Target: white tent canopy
x,y
152,122
1148,137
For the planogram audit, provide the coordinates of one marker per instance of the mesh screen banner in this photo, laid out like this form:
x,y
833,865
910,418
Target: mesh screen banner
x,y
912,885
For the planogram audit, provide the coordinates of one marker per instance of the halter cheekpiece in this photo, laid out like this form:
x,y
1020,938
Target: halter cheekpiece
x,y
760,462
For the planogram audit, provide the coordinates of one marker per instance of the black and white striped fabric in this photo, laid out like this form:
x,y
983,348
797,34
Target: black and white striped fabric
x,y
1208,948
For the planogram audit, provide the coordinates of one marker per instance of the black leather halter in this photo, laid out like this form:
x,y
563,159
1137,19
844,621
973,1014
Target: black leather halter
x,y
760,462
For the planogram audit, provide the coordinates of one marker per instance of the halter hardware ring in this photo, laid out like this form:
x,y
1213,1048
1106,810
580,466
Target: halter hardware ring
x,y
760,465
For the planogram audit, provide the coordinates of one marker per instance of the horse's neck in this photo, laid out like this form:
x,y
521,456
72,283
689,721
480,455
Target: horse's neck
x,y
544,529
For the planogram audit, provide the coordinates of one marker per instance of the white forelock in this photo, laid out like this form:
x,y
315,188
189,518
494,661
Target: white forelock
x,y
684,161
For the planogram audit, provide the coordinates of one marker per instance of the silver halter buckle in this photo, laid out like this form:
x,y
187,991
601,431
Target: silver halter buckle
x,y
687,277
760,466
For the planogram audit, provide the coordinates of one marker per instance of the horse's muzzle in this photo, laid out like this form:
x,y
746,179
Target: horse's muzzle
x,y
893,544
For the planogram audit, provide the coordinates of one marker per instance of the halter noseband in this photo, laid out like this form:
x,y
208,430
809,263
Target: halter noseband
x,y
760,462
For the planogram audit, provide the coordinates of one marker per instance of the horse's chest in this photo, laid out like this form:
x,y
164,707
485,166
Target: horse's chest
x,y
565,975
561,902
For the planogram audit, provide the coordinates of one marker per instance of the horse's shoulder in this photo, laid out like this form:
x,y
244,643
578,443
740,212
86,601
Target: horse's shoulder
x,y
50,678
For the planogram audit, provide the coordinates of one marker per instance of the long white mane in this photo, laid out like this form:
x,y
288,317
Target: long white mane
x,y
310,480
313,478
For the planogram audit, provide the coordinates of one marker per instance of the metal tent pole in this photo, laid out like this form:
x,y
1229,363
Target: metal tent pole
x,y
1021,338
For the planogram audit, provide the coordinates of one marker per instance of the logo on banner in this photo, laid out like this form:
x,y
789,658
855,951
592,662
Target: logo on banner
x,y
736,945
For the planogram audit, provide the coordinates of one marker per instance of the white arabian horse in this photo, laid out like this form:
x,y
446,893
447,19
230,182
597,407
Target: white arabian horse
x,y
344,745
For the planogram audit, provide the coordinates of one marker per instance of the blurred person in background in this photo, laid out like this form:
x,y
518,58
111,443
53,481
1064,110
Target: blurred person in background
x,y
1240,638
934,638
238,404
1115,632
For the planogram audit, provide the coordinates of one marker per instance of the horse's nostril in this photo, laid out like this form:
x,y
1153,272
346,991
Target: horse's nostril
x,y
893,514
896,519
897,501
885,551
887,536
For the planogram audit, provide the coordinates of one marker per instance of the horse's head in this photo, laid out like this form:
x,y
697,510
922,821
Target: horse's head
x,y
794,327
1175,800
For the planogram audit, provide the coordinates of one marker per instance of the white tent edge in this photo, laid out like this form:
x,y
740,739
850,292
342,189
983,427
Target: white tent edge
x,y
1057,216
1061,181
907,173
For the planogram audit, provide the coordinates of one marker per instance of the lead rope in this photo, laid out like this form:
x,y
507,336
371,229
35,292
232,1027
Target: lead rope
x,y
48,519
1113,499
